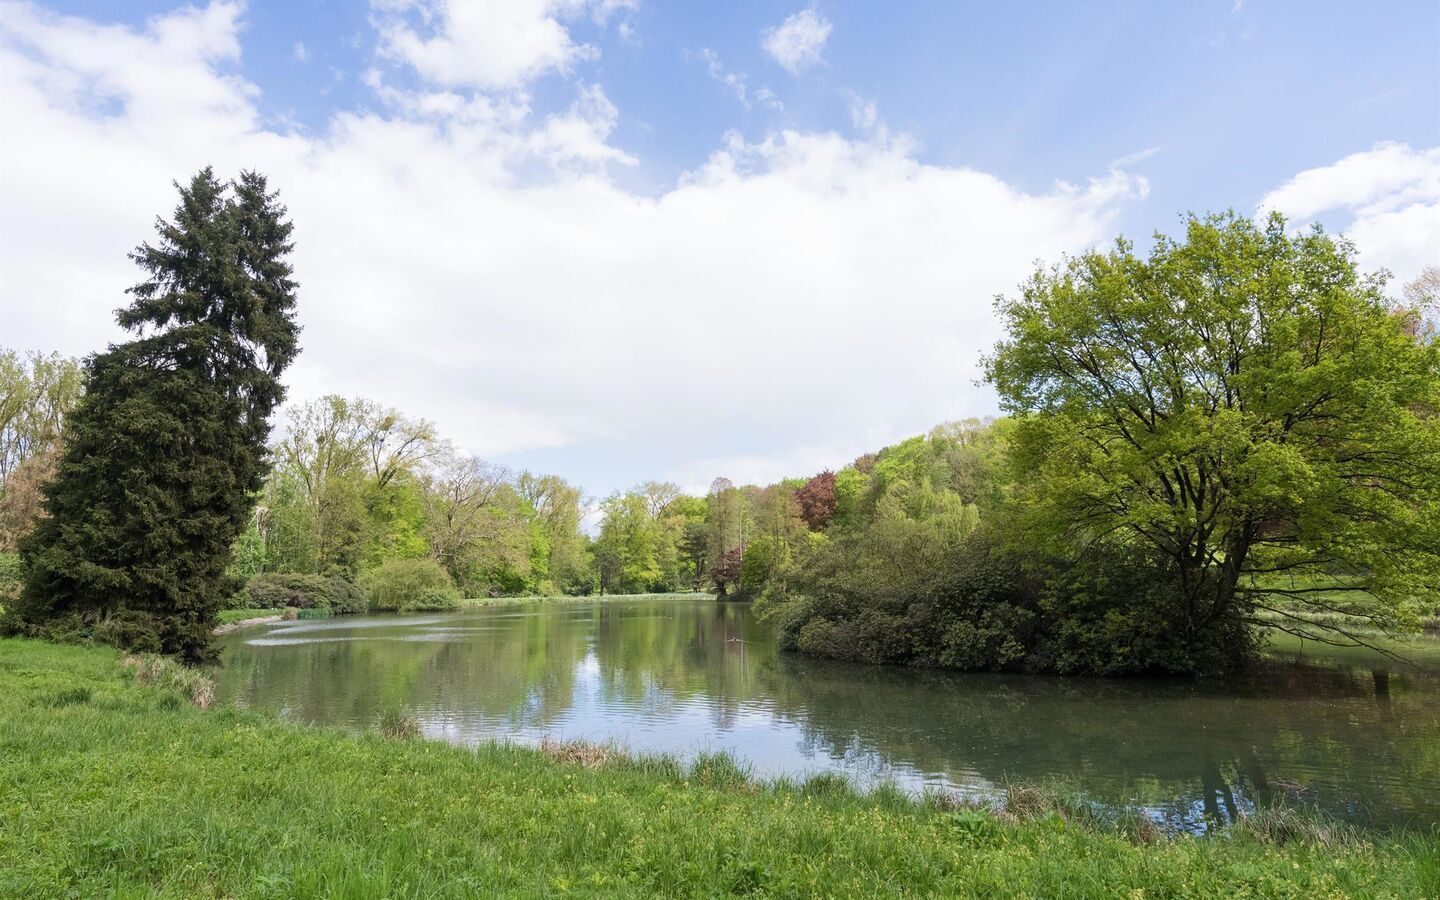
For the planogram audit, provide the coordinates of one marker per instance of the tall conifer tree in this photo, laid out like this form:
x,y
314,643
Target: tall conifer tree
x,y
167,448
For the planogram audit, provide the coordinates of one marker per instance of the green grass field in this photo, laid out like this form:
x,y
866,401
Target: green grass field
x,y
114,783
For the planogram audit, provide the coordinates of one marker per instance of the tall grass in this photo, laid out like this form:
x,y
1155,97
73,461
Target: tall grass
x,y
114,782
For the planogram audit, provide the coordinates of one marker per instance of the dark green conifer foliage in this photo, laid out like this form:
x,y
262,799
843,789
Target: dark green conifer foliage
x,y
167,448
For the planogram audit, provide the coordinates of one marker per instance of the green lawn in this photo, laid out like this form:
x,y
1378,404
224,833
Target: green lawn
x,y
111,787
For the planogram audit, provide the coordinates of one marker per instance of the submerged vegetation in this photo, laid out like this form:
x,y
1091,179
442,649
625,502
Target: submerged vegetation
x,y
220,802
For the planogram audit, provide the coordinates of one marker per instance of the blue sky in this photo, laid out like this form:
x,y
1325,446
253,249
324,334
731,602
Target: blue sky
x,y
615,221
1235,97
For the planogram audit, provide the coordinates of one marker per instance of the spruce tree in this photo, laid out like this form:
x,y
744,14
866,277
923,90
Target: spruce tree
x,y
167,448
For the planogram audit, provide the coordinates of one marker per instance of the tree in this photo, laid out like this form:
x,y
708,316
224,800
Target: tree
x,y
36,394
557,505
22,501
1242,406
817,500
472,522
1421,303
727,570
165,451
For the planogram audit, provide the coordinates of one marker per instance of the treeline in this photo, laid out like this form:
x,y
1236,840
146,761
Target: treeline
x,y
355,485
1237,433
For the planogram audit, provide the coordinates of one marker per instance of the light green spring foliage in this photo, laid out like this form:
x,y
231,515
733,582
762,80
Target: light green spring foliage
x,y
403,585
647,540
356,485
225,803
37,393
1243,403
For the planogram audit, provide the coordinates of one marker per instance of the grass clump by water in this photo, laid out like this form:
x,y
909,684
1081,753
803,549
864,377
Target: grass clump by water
x,y
397,724
174,679
115,782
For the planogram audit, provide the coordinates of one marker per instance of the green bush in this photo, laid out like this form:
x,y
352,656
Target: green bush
x,y
275,590
347,596
10,580
895,594
409,584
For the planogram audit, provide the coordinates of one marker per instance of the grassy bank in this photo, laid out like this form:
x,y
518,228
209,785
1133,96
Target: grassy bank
x,y
232,616
114,782
482,602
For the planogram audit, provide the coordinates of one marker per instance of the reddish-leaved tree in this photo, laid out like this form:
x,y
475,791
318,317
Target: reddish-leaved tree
x,y
816,498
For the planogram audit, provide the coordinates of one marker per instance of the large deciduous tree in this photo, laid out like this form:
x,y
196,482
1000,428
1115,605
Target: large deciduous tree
x,y
165,451
1245,408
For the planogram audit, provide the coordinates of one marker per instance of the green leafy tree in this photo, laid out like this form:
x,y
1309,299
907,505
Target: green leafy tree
x,y
1242,406
165,451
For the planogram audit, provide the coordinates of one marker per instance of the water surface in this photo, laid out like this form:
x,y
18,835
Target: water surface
x,y
1352,733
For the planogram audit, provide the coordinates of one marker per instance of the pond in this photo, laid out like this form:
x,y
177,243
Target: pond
x,y
1352,733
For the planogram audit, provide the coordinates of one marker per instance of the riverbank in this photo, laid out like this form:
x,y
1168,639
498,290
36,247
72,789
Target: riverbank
x,y
234,619
114,786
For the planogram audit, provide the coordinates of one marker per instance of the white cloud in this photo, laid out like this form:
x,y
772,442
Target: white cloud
x,y
469,261
736,82
299,53
797,42
487,44
864,115
1386,199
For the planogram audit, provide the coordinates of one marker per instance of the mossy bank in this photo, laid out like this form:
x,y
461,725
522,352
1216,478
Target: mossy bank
x,y
114,782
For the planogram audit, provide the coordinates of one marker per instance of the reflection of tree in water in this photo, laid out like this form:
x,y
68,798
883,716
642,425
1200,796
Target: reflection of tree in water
x,y
1361,744
1306,734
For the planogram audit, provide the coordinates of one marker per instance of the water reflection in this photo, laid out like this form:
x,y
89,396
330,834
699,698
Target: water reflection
x,y
1347,734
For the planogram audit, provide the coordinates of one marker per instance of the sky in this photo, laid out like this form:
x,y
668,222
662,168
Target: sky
x,y
620,240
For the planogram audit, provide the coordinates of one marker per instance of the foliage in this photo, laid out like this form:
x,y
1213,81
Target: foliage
x,y
652,538
627,826
167,446
37,393
409,584
357,484
10,578
275,591
1241,403
817,500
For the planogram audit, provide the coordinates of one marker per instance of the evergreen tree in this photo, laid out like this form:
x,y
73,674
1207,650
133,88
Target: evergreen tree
x,y
167,447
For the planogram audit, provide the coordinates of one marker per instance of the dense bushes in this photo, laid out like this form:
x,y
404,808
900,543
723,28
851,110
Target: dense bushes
x,y
276,591
899,595
409,584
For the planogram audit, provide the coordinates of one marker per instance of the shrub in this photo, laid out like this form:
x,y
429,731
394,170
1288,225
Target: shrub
x,y
409,584
347,596
10,580
275,590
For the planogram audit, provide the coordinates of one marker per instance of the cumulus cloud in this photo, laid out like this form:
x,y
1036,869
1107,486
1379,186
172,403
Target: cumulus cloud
x,y
1386,199
793,298
488,44
797,42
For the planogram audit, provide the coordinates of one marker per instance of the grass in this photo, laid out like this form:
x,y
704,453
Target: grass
x,y
113,782
231,616
485,602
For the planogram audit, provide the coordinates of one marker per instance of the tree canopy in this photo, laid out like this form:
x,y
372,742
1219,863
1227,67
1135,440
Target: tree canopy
x,y
1243,406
